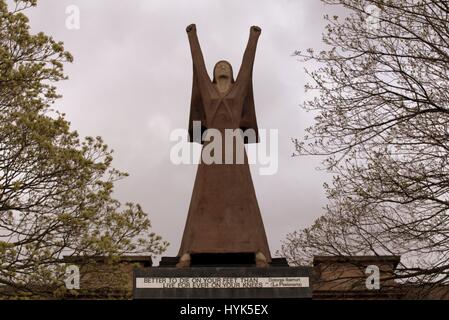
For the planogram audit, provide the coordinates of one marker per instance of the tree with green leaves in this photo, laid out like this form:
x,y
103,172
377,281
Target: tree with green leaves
x,y
55,188
382,123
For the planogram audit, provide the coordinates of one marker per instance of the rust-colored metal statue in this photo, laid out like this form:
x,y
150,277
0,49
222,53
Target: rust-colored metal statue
x,y
224,216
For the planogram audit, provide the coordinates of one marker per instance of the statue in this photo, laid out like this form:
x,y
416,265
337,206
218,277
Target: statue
x,y
224,216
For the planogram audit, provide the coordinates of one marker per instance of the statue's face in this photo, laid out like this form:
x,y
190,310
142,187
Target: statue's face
x,y
223,70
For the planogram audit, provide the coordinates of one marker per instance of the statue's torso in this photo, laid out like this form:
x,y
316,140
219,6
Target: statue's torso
x,y
223,111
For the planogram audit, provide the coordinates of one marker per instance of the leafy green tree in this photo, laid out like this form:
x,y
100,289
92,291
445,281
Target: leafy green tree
x,y
55,188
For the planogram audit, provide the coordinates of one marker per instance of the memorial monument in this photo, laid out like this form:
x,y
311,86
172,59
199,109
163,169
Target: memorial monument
x,y
224,251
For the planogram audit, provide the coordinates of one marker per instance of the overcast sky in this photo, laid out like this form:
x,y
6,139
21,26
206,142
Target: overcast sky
x,y
130,56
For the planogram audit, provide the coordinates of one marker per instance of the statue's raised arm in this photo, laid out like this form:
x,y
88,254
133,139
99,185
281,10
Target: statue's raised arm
x,y
246,69
197,56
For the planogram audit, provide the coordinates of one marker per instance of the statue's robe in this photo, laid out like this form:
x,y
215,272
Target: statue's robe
x,y
224,215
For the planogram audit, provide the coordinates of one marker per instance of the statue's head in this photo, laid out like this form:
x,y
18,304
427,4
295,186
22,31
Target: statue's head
x,y
223,69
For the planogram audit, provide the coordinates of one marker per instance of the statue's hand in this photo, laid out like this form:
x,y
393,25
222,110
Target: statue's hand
x,y
256,29
191,27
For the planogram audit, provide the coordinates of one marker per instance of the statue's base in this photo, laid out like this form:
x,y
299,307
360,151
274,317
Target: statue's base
x,y
278,281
